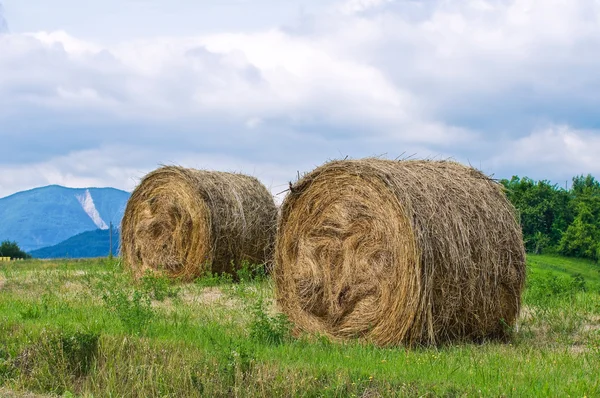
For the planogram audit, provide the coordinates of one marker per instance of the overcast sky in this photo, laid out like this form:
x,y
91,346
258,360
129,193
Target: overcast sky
x,y
98,93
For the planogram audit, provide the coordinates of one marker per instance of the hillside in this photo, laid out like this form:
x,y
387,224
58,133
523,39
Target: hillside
x,y
46,216
84,245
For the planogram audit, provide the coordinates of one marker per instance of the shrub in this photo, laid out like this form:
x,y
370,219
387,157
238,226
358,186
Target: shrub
x,y
159,287
12,250
269,329
134,313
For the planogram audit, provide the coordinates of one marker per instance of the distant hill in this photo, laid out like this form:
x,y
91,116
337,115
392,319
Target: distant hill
x,y
84,245
46,216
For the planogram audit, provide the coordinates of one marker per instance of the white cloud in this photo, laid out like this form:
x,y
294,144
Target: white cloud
x,y
357,6
123,167
3,24
566,151
471,79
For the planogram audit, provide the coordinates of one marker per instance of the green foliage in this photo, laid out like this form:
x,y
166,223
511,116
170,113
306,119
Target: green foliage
x,y
31,311
547,287
159,287
558,220
131,305
268,329
221,345
134,311
53,360
544,211
12,250
582,238
210,279
235,359
249,272
79,349
7,368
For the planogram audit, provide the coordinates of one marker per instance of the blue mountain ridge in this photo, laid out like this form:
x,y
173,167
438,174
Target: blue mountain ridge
x,y
84,245
46,216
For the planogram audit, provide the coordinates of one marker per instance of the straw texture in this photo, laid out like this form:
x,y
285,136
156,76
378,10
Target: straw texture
x,y
185,222
399,252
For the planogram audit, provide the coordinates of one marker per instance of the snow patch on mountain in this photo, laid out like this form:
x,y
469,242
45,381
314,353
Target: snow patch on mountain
x,y
87,203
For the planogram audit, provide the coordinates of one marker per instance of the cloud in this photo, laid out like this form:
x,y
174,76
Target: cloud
x,y
482,81
358,6
566,151
3,23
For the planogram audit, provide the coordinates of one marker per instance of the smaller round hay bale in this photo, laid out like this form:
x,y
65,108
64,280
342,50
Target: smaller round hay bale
x,y
399,252
184,222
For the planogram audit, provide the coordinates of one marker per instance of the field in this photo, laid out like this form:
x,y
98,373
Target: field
x,y
84,328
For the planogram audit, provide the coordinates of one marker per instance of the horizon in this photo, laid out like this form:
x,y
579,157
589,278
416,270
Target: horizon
x,y
60,186
509,87
553,183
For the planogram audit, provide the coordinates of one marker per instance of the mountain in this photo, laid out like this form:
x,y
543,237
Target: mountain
x,y
46,216
84,245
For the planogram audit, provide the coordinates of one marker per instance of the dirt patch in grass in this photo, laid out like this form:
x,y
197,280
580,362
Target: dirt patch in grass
x,y
207,295
18,394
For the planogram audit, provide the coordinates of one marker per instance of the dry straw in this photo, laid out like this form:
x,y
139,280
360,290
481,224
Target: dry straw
x,y
399,252
184,222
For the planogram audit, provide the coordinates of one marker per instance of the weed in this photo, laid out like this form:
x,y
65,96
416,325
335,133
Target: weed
x,y
80,350
235,358
7,369
134,313
31,311
250,272
54,360
267,329
159,287
210,279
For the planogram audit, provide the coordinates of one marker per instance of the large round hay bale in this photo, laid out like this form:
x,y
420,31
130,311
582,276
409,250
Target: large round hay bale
x,y
184,222
399,252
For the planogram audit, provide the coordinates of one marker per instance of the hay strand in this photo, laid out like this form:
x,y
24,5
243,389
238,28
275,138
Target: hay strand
x,y
185,222
399,252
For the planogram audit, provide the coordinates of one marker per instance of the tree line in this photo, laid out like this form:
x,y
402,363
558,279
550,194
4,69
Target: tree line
x,y
12,250
558,220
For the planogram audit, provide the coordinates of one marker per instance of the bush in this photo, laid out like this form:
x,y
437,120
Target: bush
x,y
134,313
250,272
159,287
79,350
210,279
12,250
267,329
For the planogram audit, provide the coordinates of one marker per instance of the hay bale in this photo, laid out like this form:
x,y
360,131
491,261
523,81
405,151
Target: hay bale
x,y
184,222
399,252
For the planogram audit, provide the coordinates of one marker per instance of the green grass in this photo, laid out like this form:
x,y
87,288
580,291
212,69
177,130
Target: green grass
x,y
561,266
84,328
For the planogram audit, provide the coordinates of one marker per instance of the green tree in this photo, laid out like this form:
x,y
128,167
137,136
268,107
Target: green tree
x,y
544,209
12,250
582,238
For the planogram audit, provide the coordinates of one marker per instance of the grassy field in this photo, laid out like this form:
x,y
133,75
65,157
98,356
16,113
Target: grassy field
x,y
84,328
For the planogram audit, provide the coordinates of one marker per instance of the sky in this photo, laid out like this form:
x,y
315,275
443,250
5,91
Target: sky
x,y
100,93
